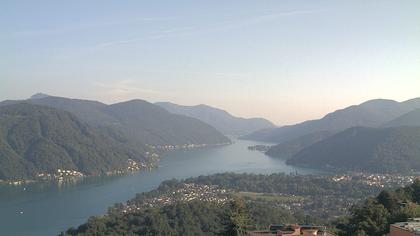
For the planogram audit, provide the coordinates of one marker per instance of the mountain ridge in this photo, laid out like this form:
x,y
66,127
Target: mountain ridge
x,y
32,142
389,150
411,118
158,126
372,113
218,118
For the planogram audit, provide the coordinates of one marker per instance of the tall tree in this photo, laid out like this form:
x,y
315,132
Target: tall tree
x,y
388,199
237,222
416,191
370,218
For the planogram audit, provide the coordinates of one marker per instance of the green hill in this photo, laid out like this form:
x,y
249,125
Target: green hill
x,y
154,125
36,139
394,149
288,149
139,120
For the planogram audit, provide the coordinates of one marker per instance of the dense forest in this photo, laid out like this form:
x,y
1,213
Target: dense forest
x,y
374,215
36,140
288,149
138,120
192,218
386,150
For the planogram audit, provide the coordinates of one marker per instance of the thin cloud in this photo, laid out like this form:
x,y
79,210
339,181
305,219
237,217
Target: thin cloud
x,y
227,25
84,26
150,36
261,19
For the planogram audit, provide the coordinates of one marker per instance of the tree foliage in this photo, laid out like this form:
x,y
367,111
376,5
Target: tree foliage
x,y
238,221
36,139
381,150
374,216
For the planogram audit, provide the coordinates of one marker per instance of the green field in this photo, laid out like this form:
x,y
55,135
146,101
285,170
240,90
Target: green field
x,y
270,197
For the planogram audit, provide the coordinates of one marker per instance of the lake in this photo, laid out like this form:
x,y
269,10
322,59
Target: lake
x,y
48,209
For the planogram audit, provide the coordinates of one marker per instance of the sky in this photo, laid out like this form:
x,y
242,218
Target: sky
x,y
287,61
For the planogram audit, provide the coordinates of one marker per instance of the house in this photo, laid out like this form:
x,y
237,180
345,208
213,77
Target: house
x,y
409,228
292,230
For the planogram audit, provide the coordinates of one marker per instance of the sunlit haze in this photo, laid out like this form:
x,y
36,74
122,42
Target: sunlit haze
x,y
287,61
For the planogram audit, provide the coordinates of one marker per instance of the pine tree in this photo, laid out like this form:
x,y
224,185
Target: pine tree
x,y
237,222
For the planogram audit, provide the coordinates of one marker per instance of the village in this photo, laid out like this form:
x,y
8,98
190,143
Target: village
x,y
188,192
377,180
62,174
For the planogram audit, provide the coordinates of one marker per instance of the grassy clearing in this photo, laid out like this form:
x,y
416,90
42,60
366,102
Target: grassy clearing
x,y
270,197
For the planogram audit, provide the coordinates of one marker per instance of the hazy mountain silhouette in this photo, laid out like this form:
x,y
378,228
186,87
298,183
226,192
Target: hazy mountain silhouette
x,y
140,120
288,149
220,119
373,113
411,118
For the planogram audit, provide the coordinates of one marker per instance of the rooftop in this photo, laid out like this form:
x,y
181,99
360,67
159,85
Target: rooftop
x,y
413,225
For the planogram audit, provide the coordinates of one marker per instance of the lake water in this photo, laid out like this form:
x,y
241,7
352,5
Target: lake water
x,y
48,209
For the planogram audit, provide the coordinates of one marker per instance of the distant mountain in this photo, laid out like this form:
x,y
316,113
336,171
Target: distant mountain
x,y
288,149
373,113
220,119
39,95
409,119
154,125
36,139
139,120
393,149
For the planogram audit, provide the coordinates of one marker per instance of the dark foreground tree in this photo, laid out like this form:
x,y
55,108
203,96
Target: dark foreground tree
x,y
237,221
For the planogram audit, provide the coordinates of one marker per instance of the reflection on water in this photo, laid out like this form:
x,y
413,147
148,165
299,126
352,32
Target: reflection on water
x,y
47,209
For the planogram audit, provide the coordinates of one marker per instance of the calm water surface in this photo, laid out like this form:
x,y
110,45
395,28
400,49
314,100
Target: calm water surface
x,y
48,209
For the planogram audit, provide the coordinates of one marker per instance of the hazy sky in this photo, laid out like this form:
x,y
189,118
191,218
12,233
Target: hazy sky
x,y
287,61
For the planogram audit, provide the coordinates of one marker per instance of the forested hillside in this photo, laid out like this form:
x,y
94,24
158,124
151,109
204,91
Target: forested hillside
x,y
40,140
394,150
139,120
288,149
374,215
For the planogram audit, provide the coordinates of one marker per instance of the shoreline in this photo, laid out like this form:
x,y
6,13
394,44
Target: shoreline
x,y
53,178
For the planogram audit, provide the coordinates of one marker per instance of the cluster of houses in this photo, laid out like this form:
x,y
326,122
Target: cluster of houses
x,y
60,174
186,193
408,228
292,230
176,147
261,148
379,180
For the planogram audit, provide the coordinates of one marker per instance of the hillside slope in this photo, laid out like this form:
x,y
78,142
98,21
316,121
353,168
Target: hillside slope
x,y
220,119
395,149
154,125
36,139
409,119
288,149
139,120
